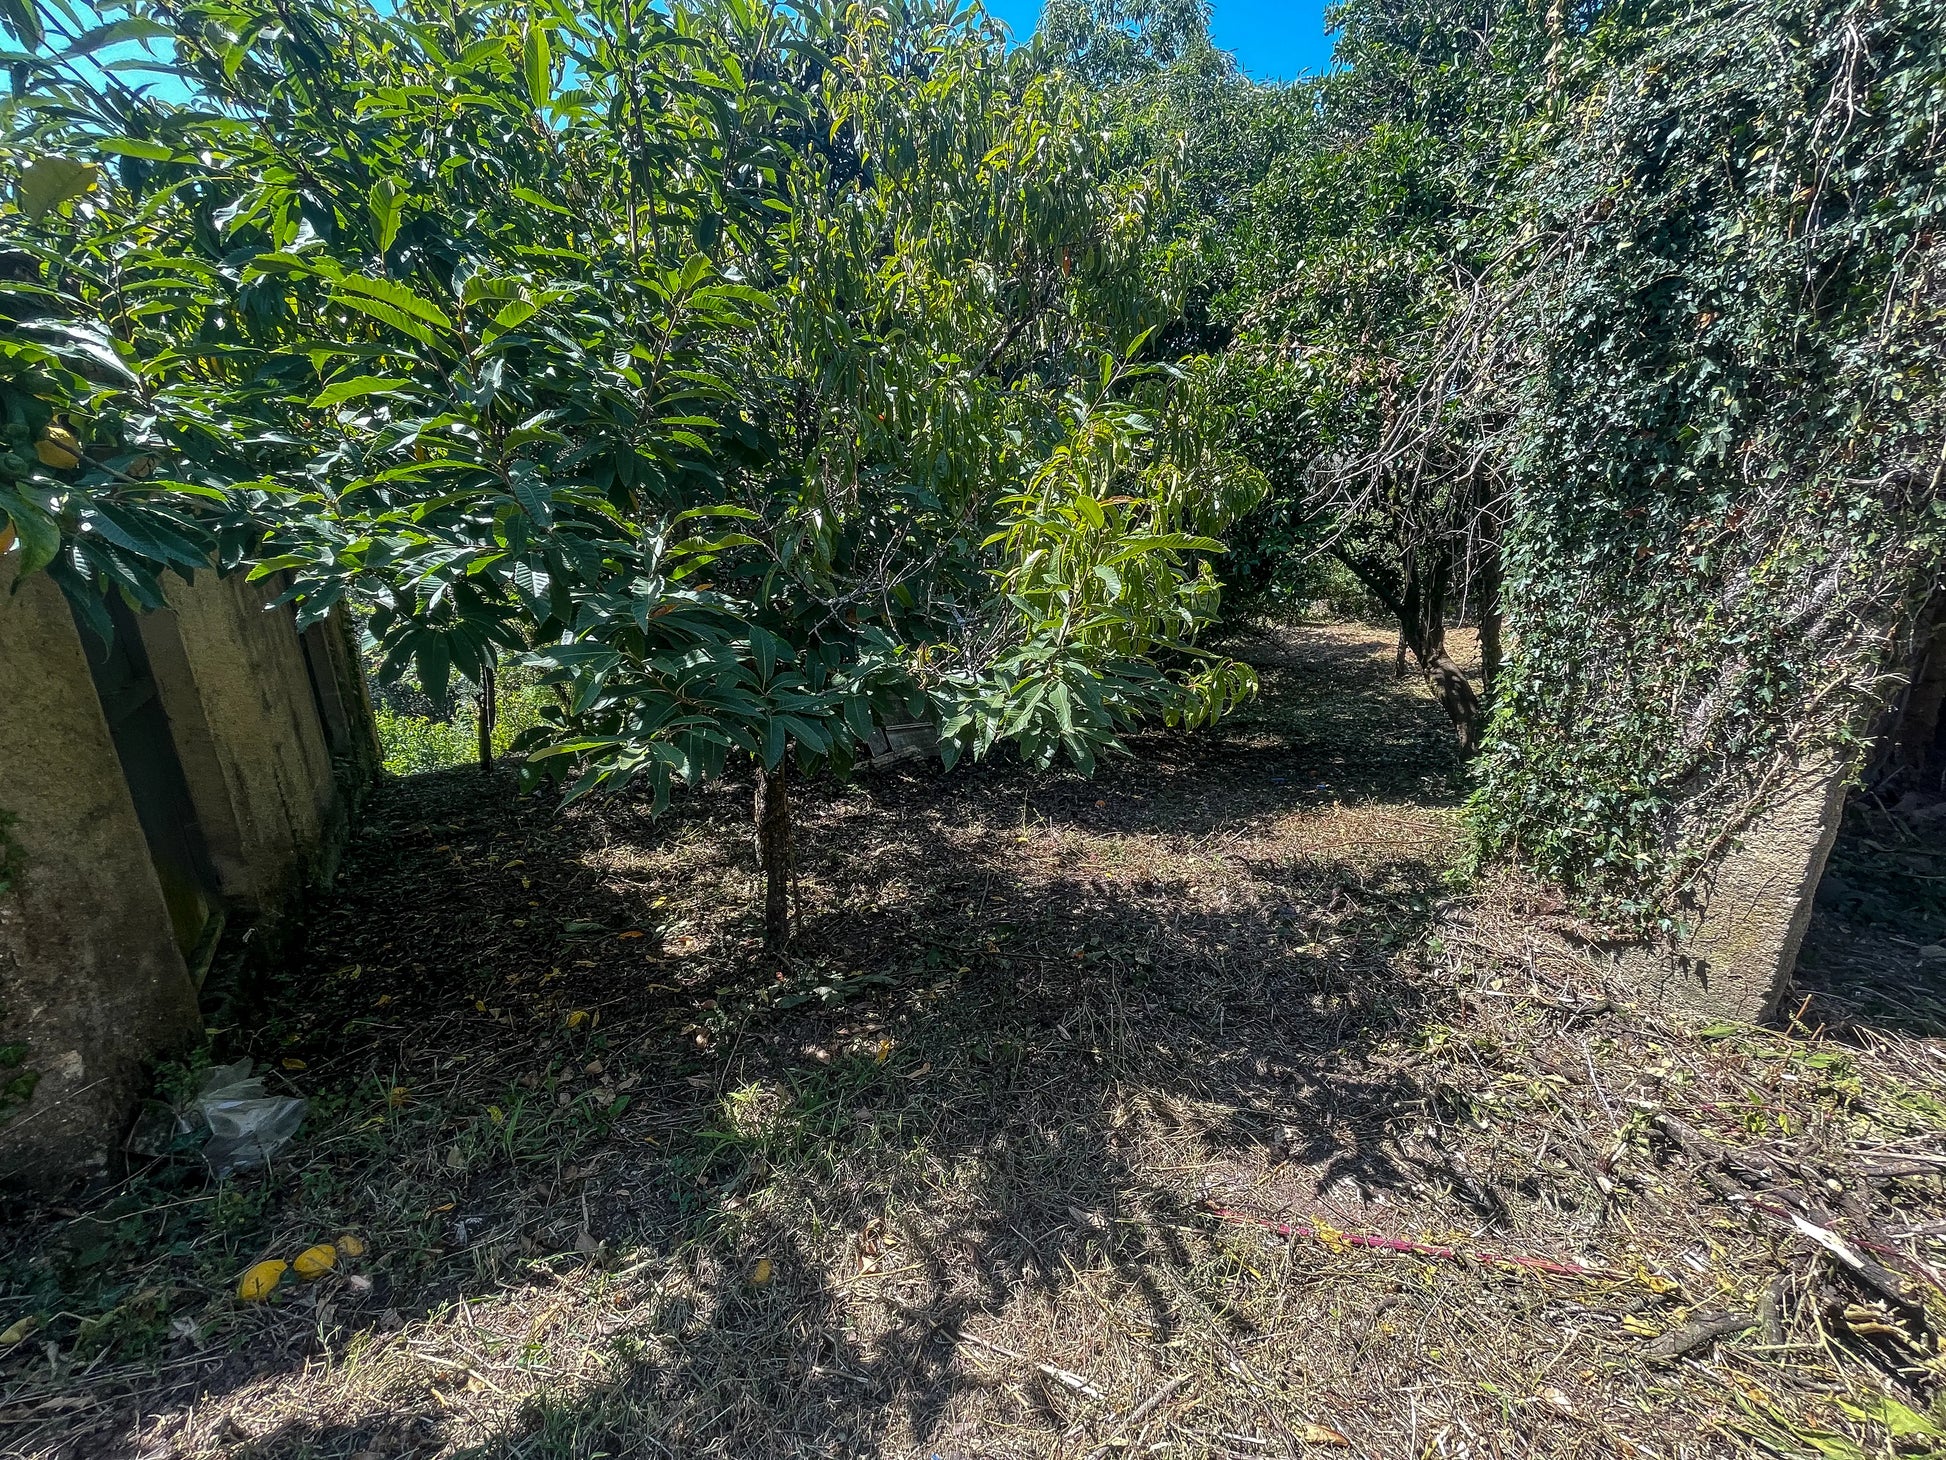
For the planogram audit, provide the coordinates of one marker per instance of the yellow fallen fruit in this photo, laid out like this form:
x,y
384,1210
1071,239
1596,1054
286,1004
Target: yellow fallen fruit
x,y
315,1262
351,1246
261,1281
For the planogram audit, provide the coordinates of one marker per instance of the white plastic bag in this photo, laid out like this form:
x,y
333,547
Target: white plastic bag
x,y
246,1127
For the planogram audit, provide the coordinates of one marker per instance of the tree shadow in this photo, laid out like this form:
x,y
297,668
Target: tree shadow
x,y
1033,1028
1874,955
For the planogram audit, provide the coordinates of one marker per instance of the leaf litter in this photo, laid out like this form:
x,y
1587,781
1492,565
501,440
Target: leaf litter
x,y
1188,1111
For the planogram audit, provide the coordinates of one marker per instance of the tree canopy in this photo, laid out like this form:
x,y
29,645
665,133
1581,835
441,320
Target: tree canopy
x,y
764,374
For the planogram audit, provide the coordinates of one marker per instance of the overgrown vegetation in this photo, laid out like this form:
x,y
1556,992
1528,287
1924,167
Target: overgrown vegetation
x,y
682,394
1621,326
762,374
415,735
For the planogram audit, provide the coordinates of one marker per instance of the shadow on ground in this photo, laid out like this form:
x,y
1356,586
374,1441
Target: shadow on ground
x,y
656,1195
1874,957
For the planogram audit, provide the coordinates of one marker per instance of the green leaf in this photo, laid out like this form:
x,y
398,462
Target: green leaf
x,y
39,534
529,196
532,491
516,313
538,65
116,33
50,182
398,296
136,147
337,393
387,202
21,17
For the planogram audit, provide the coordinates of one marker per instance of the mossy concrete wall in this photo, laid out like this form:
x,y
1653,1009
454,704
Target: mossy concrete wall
x,y
92,985
1749,919
274,737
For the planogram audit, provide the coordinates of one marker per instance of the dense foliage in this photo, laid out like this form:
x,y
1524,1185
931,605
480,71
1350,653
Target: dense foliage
x,y
1619,325
762,375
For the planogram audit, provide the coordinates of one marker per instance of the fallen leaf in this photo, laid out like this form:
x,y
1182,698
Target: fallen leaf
x,y
1316,1434
577,1018
761,1273
351,1245
884,1051
20,1330
315,1262
261,1281
398,1096
496,1115
291,1064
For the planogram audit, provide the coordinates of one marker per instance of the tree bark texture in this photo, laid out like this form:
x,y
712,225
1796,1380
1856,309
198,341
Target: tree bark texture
x,y
1416,590
775,854
1490,619
489,715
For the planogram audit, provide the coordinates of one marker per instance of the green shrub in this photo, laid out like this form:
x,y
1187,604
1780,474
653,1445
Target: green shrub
x,y
415,743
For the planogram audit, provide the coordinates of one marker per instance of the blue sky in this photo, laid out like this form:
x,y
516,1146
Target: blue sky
x,y
1274,40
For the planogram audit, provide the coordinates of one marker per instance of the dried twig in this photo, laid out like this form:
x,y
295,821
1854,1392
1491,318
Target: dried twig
x,y
1141,1412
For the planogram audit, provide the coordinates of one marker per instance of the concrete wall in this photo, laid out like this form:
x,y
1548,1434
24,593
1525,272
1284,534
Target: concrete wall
x,y
237,689
1752,915
91,981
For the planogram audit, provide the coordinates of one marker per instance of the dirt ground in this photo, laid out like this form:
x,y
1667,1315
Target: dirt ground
x,y
994,1167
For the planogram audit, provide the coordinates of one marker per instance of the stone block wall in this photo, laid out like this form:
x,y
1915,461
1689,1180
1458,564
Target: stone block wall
x,y
1750,918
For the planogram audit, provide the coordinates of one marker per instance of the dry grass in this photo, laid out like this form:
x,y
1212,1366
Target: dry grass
x,y
984,1173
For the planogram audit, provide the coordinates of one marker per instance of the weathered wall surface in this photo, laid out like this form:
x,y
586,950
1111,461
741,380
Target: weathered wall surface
x,y
91,981
1743,947
238,693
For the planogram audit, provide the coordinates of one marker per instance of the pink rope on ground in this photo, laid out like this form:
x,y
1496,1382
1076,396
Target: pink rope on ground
x,y
1422,1249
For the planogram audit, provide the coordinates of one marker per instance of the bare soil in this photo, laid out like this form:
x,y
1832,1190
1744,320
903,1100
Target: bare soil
x,y
993,1166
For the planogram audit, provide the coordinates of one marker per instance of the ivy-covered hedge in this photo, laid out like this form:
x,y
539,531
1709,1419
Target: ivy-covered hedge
x,y
1727,503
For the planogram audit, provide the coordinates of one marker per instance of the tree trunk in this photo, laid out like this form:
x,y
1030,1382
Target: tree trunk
x,y
1431,584
489,714
774,854
1490,621
1417,594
